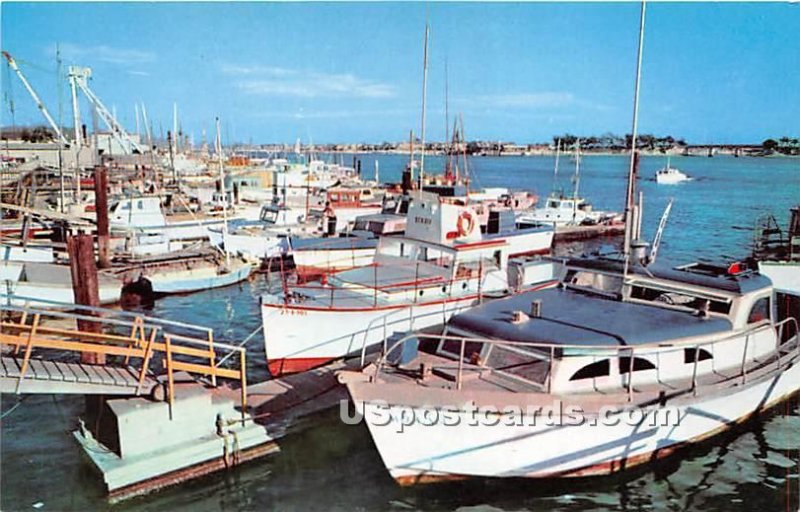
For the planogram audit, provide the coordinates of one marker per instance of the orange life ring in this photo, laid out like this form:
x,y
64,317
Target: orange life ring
x,y
465,224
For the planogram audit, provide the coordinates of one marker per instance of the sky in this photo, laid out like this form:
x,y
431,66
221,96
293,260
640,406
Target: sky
x,y
352,72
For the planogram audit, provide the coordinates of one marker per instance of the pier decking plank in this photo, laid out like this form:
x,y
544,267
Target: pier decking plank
x,y
67,371
10,367
52,369
36,370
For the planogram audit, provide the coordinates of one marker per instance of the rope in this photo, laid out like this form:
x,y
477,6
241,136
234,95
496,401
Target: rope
x,y
240,345
8,412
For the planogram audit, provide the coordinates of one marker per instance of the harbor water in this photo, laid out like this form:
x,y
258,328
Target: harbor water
x,y
333,466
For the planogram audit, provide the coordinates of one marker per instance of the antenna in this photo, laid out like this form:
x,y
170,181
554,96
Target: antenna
x,y
224,198
661,225
424,95
630,209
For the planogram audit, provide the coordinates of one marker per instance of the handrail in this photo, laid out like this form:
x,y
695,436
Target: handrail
x,y
71,306
134,343
586,349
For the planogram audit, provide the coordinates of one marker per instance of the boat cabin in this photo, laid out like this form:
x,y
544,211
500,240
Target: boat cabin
x,y
136,212
677,324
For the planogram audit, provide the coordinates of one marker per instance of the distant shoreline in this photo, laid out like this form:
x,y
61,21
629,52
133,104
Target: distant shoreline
x,y
649,153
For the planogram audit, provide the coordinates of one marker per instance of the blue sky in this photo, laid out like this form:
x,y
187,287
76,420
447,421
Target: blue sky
x,y
351,72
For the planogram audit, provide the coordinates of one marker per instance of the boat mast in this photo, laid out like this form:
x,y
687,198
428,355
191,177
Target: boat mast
x,y
424,95
224,199
630,208
555,170
577,179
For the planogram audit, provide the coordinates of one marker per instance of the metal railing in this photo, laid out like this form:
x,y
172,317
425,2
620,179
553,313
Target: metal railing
x,y
182,346
606,351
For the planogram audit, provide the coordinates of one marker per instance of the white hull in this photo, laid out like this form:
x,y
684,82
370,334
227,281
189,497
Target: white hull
x,y
424,453
109,293
204,278
253,247
538,242
313,337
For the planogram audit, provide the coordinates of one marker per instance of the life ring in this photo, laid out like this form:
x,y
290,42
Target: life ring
x,y
465,224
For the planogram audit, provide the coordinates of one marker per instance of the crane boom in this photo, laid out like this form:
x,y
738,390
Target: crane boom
x,y
78,77
42,108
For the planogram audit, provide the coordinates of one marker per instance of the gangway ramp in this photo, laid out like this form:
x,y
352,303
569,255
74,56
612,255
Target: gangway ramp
x,y
57,377
42,343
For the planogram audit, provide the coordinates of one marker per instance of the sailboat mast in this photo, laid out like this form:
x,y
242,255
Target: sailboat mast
x,y
424,96
577,169
224,198
630,209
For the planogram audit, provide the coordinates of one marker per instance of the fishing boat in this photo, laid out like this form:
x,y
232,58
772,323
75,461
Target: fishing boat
x,y
26,281
144,214
609,370
624,362
562,210
313,257
669,175
441,265
194,275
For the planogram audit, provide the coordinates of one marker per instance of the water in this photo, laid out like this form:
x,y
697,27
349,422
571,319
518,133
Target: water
x,y
331,466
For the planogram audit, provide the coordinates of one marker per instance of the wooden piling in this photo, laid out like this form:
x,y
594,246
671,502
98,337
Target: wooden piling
x,y
85,286
101,209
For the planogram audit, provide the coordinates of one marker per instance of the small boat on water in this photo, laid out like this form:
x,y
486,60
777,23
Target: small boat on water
x,y
195,277
609,370
561,210
668,175
441,265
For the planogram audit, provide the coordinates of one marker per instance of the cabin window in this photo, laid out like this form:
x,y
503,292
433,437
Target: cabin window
x,y
140,205
552,204
680,299
472,349
639,364
518,362
594,370
595,281
760,311
689,355
125,206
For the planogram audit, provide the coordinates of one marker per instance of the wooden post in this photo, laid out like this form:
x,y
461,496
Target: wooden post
x,y
101,209
84,286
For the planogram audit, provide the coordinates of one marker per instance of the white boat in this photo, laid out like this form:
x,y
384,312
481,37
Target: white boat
x,y
196,277
266,238
23,281
573,381
144,215
562,210
442,265
313,257
668,175
30,253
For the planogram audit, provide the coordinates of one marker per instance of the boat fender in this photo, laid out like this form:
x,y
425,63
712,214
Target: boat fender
x,y
465,224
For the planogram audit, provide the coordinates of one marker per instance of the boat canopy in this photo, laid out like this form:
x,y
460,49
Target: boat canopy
x,y
572,317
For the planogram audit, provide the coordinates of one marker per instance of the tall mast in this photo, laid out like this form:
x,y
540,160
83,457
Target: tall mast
x,y
224,198
446,111
577,169
60,125
630,209
424,95
555,170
